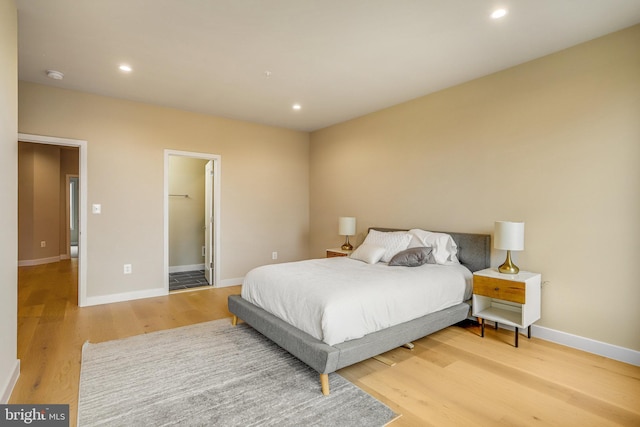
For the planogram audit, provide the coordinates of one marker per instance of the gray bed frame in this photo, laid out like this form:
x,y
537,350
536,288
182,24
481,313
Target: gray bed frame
x,y
473,252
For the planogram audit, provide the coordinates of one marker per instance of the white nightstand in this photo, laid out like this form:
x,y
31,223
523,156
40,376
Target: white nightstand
x,y
334,252
512,299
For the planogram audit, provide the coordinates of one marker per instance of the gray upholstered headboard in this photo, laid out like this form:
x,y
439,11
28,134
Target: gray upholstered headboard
x,y
474,250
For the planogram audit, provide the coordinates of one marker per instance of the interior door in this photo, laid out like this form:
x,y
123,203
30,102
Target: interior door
x,y
208,221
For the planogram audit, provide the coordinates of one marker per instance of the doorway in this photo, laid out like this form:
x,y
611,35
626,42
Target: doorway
x,y
72,222
80,147
192,212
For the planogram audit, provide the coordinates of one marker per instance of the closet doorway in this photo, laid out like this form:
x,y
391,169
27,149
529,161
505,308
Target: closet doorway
x,y
192,212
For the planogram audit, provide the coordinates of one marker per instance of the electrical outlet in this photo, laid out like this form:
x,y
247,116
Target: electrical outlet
x,y
43,244
274,255
128,269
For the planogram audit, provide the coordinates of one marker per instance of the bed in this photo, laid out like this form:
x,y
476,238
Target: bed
x,y
473,252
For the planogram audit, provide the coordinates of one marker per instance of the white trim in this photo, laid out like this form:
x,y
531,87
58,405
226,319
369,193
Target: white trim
x,y
216,210
225,283
181,268
84,202
7,389
125,296
600,348
589,345
39,261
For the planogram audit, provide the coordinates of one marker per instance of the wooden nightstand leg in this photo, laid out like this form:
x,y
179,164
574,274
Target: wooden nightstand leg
x,y
482,329
495,325
517,333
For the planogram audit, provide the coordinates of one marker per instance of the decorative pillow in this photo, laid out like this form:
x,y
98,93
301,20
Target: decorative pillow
x,y
368,253
392,241
444,247
413,257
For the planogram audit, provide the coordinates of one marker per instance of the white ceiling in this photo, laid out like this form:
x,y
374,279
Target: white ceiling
x,y
338,59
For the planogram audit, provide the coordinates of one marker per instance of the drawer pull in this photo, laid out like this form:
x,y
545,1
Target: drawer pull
x,y
496,289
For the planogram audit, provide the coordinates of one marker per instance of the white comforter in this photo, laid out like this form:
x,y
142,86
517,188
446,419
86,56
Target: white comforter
x,y
340,299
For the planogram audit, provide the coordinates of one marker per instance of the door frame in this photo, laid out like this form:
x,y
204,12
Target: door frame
x,y
209,231
83,172
67,236
217,167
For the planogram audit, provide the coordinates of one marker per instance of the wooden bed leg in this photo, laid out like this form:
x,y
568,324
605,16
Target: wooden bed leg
x,y
384,360
324,383
234,320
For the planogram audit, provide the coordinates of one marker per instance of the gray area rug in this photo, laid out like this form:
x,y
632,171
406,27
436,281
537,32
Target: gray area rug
x,y
213,374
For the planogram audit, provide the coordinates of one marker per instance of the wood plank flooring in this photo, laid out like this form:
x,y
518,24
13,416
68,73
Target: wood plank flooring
x,y
450,378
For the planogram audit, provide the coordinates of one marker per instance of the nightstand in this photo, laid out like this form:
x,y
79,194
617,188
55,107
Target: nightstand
x,y
334,252
512,299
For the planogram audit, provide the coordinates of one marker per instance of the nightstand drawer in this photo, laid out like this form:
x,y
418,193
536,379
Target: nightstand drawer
x,y
331,254
337,252
506,290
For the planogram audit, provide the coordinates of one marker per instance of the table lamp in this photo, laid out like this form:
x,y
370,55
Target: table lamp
x,y
347,227
509,236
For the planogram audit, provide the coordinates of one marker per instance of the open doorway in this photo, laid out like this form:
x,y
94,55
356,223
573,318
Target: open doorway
x,y
46,164
192,182
72,223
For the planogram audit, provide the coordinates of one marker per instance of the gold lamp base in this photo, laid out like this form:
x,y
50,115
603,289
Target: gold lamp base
x,y
347,246
508,267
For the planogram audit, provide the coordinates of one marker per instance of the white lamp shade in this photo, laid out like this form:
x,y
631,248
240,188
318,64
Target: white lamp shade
x,y
346,226
509,235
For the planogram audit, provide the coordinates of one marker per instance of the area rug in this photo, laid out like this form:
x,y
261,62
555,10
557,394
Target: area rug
x,y
213,374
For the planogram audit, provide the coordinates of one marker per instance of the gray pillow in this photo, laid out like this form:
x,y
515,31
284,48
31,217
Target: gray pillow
x,y
412,257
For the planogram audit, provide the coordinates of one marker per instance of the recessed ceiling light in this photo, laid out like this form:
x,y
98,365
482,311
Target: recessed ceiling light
x,y
126,68
498,13
296,107
55,75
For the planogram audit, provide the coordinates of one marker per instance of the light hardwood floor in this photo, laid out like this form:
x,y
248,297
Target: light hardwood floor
x,y
451,378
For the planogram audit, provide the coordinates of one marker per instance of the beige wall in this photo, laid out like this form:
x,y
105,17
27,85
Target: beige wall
x,y
186,214
8,194
554,142
38,201
264,182
42,211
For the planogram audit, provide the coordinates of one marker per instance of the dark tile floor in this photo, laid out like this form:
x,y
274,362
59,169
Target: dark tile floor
x,y
186,280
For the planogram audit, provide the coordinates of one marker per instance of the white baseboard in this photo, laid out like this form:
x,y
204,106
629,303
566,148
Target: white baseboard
x,y
181,268
125,296
600,348
30,262
150,293
7,388
224,283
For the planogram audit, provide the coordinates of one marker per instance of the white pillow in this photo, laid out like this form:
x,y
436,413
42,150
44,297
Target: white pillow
x,y
392,241
444,247
370,254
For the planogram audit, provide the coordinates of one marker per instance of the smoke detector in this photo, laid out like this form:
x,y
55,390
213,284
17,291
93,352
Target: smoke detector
x,y
55,75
